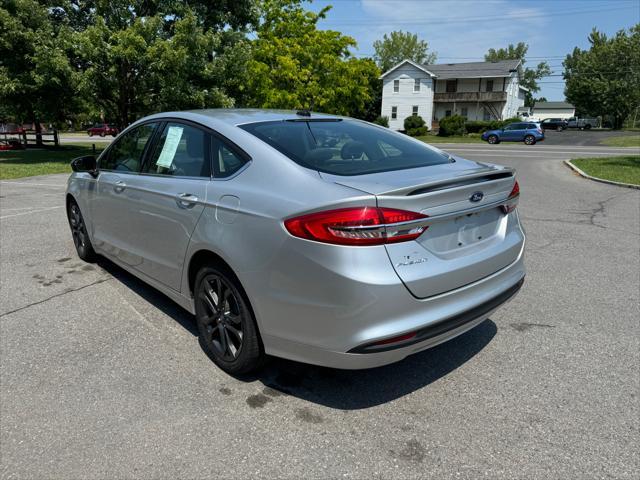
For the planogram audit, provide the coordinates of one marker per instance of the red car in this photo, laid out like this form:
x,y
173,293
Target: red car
x,y
103,129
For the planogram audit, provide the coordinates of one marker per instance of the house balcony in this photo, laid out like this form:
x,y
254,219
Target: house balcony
x,y
470,97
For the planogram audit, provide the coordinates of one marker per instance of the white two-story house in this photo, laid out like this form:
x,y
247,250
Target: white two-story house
x,y
475,90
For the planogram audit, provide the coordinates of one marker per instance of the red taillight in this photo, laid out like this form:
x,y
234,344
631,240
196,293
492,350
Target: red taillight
x,y
357,226
512,200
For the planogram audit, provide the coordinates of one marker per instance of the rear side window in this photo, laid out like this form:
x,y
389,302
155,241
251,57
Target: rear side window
x,y
125,155
226,161
181,150
345,147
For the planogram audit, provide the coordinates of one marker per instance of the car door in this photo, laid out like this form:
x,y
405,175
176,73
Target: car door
x,y
508,133
110,207
168,198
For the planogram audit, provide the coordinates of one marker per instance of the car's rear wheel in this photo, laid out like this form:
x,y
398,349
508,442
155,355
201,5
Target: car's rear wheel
x,y
492,139
529,140
228,331
79,233
559,128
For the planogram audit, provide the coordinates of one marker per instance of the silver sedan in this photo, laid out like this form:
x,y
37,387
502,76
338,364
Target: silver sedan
x,y
317,238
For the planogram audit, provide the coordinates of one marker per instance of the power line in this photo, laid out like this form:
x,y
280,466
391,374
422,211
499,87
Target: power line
x,y
452,20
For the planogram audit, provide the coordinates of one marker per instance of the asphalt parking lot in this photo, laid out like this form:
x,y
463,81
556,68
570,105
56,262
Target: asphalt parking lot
x,y
103,377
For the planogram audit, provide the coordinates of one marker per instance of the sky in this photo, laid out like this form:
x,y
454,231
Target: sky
x,y
463,30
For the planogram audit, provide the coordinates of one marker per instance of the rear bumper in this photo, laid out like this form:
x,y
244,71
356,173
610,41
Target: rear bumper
x,y
332,337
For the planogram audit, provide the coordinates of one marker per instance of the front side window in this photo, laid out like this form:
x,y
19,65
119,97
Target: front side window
x,y
181,150
414,110
464,111
489,85
452,86
396,86
344,147
416,85
394,113
125,155
447,113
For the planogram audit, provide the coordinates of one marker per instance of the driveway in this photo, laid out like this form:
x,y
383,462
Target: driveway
x,y
575,137
103,377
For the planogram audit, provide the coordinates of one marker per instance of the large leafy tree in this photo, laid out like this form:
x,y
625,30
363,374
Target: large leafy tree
x,y
529,76
296,65
141,56
37,82
399,46
605,79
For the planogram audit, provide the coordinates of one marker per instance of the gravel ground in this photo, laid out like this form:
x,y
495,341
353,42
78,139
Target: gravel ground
x,y
103,377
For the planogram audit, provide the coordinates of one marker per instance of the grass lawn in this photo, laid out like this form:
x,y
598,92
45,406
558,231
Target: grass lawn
x,y
44,161
626,141
437,139
624,169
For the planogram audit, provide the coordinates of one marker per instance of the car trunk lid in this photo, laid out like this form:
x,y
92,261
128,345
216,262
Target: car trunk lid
x,y
470,236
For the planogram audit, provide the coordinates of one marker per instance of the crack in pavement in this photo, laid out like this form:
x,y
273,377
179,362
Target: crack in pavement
x,y
61,294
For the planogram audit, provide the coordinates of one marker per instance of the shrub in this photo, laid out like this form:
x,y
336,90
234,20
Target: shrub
x,y
477,126
382,120
453,125
418,132
414,121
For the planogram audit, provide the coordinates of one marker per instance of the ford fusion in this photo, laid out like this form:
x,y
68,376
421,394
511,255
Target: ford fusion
x,y
312,237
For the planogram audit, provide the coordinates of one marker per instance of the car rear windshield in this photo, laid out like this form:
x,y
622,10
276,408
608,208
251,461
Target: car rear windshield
x,y
344,147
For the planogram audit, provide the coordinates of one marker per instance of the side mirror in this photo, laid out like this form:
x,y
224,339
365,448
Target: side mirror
x,y
85,164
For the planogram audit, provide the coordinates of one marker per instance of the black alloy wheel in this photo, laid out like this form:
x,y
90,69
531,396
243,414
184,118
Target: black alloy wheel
x,y
79,233
228,332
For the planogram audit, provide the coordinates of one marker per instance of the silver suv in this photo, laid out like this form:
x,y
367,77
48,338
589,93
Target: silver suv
x,y
317,238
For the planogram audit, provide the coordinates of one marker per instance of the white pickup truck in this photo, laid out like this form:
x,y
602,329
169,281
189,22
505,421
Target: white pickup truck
x,y
582,123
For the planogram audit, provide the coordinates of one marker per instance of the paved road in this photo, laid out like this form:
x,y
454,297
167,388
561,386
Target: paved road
x,y
575,137
103,377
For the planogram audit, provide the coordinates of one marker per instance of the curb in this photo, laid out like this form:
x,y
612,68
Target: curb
x,y
596,179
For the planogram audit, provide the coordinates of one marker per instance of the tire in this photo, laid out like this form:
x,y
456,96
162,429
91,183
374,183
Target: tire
x,y
102,134
79,233
559,128
493,139
226,324
587,126
90,134
530,140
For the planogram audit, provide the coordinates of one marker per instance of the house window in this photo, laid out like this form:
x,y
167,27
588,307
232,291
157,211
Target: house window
x,y
489,85
394,113
416,85
396,86
414,110
447,113
452,86
464,111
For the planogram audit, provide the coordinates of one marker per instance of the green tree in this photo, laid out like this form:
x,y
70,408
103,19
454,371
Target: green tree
x,y
37,81
529,76
296,65
605,80
399,46
139,57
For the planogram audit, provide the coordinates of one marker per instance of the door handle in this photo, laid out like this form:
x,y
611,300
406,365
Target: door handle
x,y
186,200
119,186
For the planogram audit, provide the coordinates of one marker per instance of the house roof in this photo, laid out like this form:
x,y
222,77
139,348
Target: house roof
x,y
553,105
502,68
424,68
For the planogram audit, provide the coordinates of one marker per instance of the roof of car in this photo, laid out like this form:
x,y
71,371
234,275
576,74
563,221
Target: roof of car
x,y
239,116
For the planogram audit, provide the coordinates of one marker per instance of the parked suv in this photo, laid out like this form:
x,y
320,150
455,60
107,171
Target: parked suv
x,y
554,124
527,132
313,237
103,129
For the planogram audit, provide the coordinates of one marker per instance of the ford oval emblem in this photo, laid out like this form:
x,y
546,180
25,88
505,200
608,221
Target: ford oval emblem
x,y
476,197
